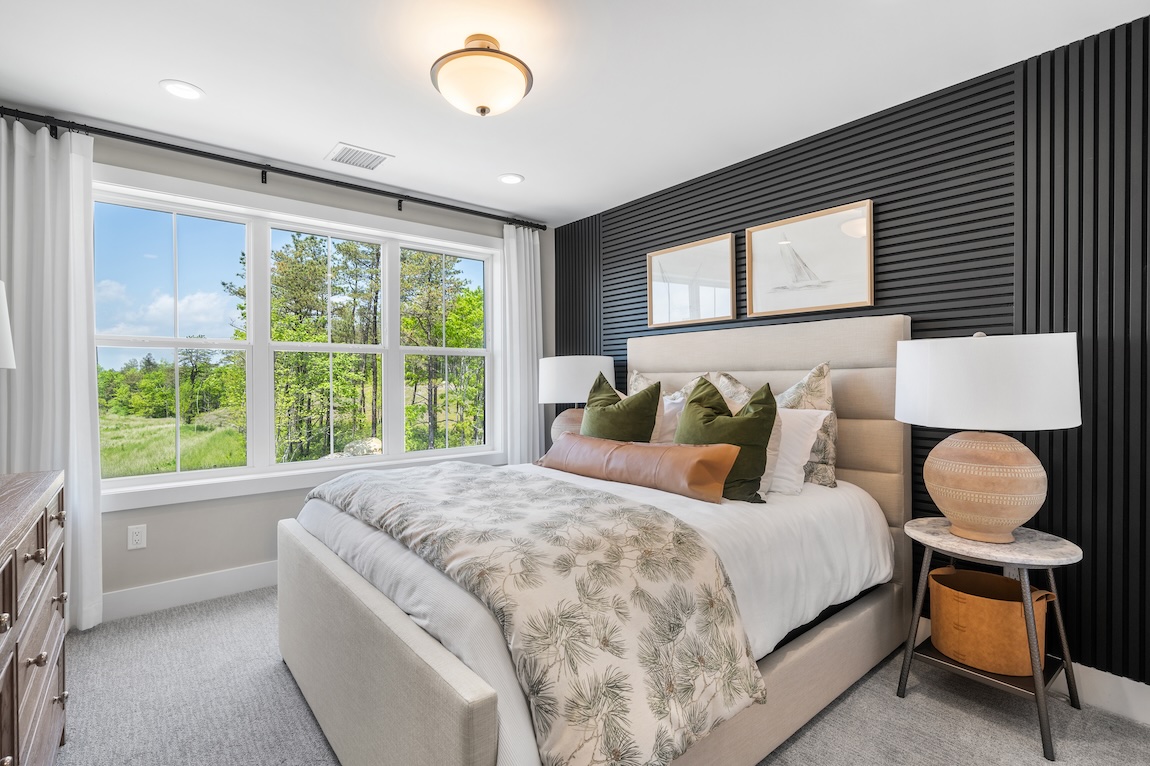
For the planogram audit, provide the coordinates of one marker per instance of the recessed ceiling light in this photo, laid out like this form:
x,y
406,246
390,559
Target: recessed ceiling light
x,y
181,89
511,178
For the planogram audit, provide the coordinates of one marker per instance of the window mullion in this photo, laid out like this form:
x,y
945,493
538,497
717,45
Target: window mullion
x,y
176,331
261,386
394,414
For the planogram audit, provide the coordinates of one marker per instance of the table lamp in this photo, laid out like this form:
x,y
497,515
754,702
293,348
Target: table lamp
x,y
567,380
987,483
7,353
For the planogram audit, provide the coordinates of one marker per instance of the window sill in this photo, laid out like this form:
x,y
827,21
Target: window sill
x,y
190,489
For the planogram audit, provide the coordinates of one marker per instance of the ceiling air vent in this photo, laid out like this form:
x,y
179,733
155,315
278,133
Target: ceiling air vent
x,y
357,157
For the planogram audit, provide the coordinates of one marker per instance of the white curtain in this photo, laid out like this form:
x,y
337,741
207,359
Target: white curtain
x,y
48,417
522,343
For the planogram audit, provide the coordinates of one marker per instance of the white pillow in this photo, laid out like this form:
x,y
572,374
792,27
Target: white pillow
x,y
773,450
800,428
671,407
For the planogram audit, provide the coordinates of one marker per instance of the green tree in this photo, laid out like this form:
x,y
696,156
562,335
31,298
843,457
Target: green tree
x,y
438,308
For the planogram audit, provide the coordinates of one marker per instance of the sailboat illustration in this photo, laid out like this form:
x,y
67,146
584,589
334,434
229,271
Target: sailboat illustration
x,y
801,275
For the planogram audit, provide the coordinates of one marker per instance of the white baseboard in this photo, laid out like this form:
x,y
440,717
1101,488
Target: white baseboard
x,y
1096,688
1112,693
187,590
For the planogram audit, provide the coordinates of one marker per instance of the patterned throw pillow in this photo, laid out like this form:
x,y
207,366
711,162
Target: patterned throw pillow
x,y
813,392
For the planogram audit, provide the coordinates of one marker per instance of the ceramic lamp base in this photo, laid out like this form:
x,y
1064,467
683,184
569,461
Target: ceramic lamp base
x,y
567,420
986,483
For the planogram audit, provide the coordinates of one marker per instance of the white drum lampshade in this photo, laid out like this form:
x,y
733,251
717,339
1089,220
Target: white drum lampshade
x,y
988,483
7,352
568,380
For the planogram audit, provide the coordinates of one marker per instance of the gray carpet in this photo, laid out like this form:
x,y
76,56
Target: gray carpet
x,y
205,684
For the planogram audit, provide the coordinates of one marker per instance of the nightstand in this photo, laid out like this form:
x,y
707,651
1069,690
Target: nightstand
x,y
1031,549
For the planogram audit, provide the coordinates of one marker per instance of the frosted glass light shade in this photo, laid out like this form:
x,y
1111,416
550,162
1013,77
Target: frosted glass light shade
x,y
568,379
1000,383
481,79
7,353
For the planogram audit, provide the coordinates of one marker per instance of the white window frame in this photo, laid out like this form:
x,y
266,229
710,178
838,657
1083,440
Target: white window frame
x,y
262,213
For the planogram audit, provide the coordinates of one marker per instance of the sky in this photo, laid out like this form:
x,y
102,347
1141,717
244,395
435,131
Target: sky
x,y
136,252
136,255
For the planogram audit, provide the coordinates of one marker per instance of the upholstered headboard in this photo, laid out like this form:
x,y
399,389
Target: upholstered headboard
x,y
873,447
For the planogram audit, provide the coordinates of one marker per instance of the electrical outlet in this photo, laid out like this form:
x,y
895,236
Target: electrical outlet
x,y
137,536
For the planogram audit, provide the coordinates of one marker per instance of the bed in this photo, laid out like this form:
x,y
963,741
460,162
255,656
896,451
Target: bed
x,y
384,691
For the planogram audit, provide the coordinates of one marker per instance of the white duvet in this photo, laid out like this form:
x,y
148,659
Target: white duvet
x,y
788,560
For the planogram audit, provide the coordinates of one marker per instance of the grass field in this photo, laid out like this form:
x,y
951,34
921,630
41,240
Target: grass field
x,y
133,446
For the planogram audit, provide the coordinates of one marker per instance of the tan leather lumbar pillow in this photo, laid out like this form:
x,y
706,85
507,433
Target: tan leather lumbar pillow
x,y
694,470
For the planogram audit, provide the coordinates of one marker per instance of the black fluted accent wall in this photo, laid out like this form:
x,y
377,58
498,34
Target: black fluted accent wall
x,y
1015,202
578,307
1083,264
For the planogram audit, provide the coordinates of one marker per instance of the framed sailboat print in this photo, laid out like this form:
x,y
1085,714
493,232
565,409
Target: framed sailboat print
x,y
692,283
814,262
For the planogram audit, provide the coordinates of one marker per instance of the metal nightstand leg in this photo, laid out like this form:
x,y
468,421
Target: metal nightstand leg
x,y
1036,664
1067,666
912,632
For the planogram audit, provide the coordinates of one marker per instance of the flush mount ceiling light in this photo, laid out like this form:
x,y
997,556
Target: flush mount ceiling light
x,y
181,89
481,79
511,178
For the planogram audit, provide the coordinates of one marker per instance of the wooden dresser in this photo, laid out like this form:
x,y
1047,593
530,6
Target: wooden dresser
x,y
32,598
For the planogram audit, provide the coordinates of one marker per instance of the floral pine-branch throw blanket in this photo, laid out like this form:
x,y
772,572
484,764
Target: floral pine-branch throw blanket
x,y
621,621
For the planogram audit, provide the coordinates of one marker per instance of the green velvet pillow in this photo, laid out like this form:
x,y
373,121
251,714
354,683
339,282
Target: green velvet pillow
x,y
706,419
609,416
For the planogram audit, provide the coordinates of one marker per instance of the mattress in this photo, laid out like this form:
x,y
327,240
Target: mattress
x,y
788,560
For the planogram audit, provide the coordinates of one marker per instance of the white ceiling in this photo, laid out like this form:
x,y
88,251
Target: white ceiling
x,y
630,96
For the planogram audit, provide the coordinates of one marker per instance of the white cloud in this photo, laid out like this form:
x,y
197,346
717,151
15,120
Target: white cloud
x,y
201,313
109,291
159,311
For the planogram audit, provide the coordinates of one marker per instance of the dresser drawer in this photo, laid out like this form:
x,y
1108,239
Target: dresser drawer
x,y
41,745
8,710
54,516
30,557
39,645
7,598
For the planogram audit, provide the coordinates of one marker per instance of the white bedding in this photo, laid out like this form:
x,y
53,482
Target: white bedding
x,y
787,559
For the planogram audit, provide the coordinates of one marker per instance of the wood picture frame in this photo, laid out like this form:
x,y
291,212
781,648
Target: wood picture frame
x,y
814,262
692,283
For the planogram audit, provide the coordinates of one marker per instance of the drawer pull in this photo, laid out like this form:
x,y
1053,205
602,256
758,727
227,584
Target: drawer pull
x,y
40,660
5,624
62,598
39,556
59,517
62,699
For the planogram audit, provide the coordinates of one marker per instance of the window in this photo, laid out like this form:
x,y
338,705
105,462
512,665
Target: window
x,y
325,332
170,341
443,332
233,342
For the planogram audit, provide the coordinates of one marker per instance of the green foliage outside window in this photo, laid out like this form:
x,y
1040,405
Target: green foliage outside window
x,y
327,403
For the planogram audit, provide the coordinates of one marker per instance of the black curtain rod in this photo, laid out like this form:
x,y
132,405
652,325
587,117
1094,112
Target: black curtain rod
x,y
54,123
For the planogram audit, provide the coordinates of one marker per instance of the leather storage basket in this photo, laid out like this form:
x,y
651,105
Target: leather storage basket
x,y
977,619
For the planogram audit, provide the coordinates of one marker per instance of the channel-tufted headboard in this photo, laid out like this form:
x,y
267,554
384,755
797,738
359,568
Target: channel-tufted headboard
x,y
873,447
